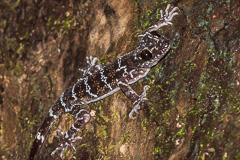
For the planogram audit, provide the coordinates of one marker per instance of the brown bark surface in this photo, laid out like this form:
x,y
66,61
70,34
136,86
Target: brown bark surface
x,y
193,107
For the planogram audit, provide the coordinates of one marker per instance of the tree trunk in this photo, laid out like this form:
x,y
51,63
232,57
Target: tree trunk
x,y
193,103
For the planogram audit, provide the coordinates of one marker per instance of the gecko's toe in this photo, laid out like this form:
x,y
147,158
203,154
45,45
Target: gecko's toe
x,y
67,141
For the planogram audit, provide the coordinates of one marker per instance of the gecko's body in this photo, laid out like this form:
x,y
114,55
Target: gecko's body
x,y
99,83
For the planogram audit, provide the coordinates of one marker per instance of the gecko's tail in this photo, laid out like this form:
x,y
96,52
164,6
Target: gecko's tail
x,y
52,115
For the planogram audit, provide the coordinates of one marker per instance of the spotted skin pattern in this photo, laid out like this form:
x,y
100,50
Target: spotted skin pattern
x,y
100,82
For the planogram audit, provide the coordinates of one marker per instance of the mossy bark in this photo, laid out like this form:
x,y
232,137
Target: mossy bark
x,y
193,108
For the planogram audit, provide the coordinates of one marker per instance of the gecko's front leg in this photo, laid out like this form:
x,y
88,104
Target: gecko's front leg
x,y
164,20
82,117
130,93
92,66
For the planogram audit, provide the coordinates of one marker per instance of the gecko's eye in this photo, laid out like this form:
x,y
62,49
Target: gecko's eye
x,y
146,55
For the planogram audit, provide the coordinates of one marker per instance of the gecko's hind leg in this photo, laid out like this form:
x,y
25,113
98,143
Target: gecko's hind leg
x,y
92,66
82,117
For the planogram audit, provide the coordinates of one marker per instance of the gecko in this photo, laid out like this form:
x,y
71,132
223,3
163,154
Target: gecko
x,y
100,82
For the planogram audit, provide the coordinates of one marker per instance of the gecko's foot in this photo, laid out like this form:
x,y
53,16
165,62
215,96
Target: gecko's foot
x,y
165,19
141,98
92,66
168,16
67,141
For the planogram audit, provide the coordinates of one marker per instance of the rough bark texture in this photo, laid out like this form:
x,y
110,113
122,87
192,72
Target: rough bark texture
x,y
193,108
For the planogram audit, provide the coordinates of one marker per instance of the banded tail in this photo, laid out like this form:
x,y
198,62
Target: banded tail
x,y
52,115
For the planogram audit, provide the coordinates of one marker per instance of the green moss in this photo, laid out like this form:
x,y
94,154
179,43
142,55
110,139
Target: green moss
x,y
126,138
116,113
210,8
181,132
156,150
4,148
13,6
144,124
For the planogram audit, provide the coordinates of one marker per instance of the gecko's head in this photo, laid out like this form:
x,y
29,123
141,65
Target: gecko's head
x,y
152,48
